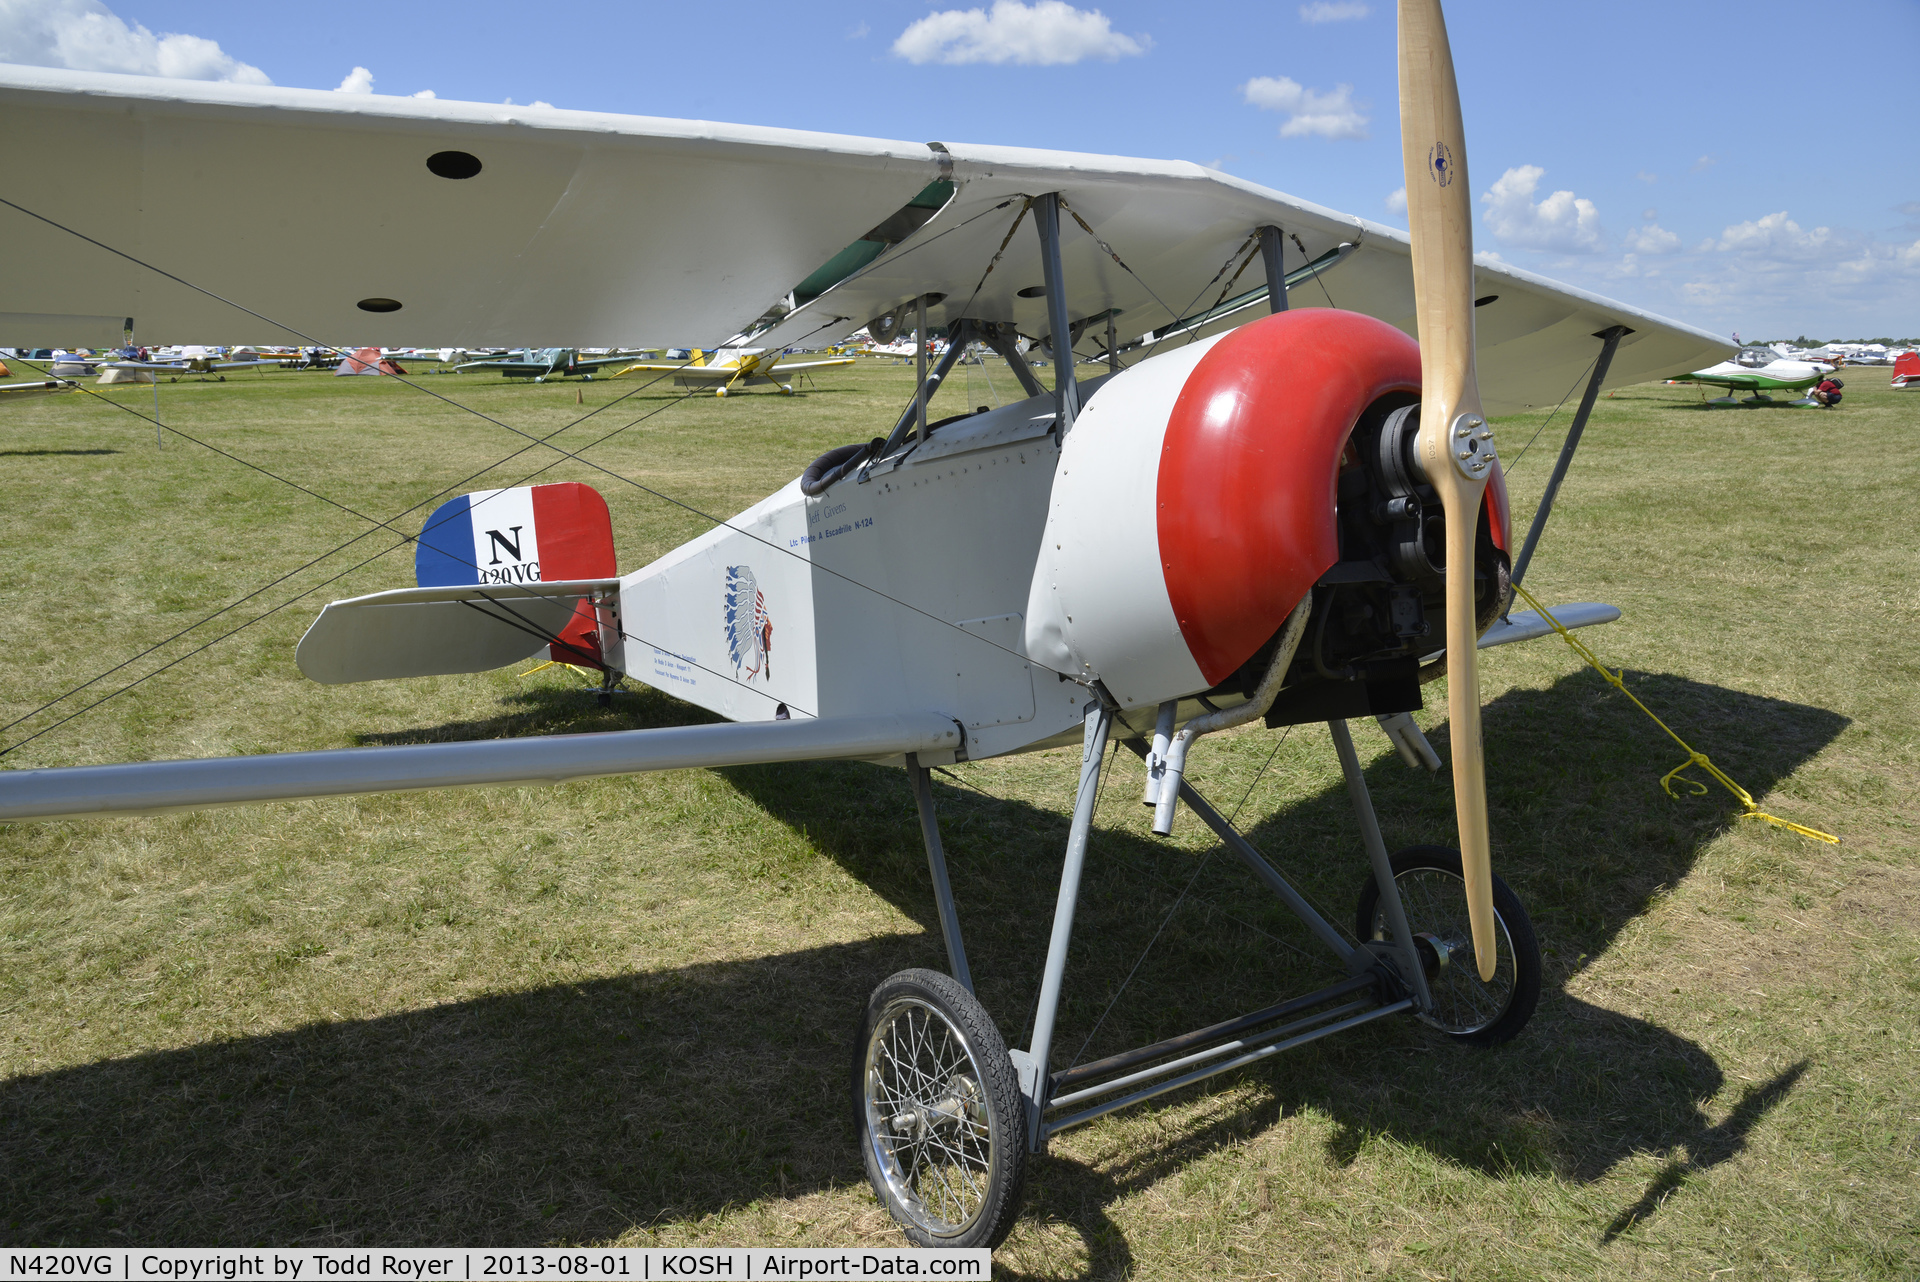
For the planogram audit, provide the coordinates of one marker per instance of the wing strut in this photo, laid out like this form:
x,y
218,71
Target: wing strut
x,y
1272,251
914,418
1004,339
1066,396
1612,339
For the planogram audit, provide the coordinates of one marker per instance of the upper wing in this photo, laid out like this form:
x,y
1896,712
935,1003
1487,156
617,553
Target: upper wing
x,y
739,219
323,200
1168,243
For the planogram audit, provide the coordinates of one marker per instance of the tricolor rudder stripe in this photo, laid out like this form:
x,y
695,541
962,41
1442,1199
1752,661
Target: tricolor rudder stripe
x,y
528,534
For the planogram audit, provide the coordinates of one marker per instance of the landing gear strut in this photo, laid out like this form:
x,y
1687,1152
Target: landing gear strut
x,y
947,1115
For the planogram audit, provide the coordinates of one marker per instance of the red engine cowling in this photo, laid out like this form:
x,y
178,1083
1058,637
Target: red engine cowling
x,y
1195,502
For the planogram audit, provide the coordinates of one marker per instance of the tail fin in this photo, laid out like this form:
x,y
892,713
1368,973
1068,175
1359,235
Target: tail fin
x,y
699,356
528,534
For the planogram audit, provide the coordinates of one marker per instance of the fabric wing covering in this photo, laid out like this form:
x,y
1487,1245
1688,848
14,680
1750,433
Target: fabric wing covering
x,y
367,216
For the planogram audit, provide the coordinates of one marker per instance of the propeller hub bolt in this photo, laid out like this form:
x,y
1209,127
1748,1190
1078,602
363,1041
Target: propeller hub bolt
x,y
1473,441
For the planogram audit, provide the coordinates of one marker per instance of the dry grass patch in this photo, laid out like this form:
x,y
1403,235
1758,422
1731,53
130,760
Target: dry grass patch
x,y
621,1010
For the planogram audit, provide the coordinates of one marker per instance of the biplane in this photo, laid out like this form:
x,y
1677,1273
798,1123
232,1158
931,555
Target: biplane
x,y
1266,502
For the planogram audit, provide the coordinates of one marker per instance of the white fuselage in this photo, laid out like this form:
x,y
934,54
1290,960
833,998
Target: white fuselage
x,y
906,589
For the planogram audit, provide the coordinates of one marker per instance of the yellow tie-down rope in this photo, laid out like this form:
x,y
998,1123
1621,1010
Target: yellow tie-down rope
x,y
1694,758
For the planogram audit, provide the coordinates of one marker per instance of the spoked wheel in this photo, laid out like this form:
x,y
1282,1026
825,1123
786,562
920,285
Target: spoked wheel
x,y
1434,891
939,1112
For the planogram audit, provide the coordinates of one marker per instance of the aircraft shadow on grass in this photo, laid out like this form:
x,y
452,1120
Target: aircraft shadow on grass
x,y
579,1111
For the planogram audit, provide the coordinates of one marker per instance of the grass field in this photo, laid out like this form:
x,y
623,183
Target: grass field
x,y
622,1011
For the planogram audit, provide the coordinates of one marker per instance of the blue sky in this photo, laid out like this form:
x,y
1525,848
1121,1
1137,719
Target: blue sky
x,y
1744,167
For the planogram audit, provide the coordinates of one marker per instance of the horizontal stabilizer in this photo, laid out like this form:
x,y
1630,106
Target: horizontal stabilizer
x,y
1525,625
438,631
152,787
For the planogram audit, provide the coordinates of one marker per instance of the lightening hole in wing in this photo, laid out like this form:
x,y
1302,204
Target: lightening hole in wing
x,y
1034,291
1482,302
378,305
453,164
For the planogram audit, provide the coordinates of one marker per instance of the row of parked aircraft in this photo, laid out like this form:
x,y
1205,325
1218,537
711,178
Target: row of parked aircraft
x,y
725,369
1848,353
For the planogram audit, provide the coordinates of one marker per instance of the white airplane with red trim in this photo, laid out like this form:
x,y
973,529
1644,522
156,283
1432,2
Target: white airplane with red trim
x,y
1274,505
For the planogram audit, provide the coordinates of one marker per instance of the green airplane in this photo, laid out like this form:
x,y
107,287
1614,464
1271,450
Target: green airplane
x,y
1759,370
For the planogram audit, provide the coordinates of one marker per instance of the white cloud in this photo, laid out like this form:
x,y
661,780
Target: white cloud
x,y
1778,238
1310,112
1646,177
1049,33
1652,239
1764,275
859,31
1562,221
359,80
428,93
1397,201
1333,11
85,35
1703,164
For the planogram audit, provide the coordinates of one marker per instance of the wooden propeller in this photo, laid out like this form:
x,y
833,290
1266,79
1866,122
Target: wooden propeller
x,y
1455,445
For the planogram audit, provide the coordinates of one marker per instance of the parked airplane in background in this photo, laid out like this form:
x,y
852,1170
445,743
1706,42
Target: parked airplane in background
x,y
1759,370
1906,371
543,363
11,392
204,360
728,369
80,364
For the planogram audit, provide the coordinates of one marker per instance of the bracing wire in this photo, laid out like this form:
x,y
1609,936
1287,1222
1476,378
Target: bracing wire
x,y
1506,469
1144,870
532,440
1319,276
284,604
1185,890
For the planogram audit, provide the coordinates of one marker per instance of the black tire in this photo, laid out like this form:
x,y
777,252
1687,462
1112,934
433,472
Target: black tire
x,y
945,1146
1433,890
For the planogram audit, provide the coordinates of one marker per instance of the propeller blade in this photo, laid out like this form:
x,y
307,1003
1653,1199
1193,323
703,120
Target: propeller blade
x,y
1454,446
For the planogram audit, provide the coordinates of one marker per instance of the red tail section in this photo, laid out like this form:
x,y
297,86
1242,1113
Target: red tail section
x,y
1906,369
577,543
